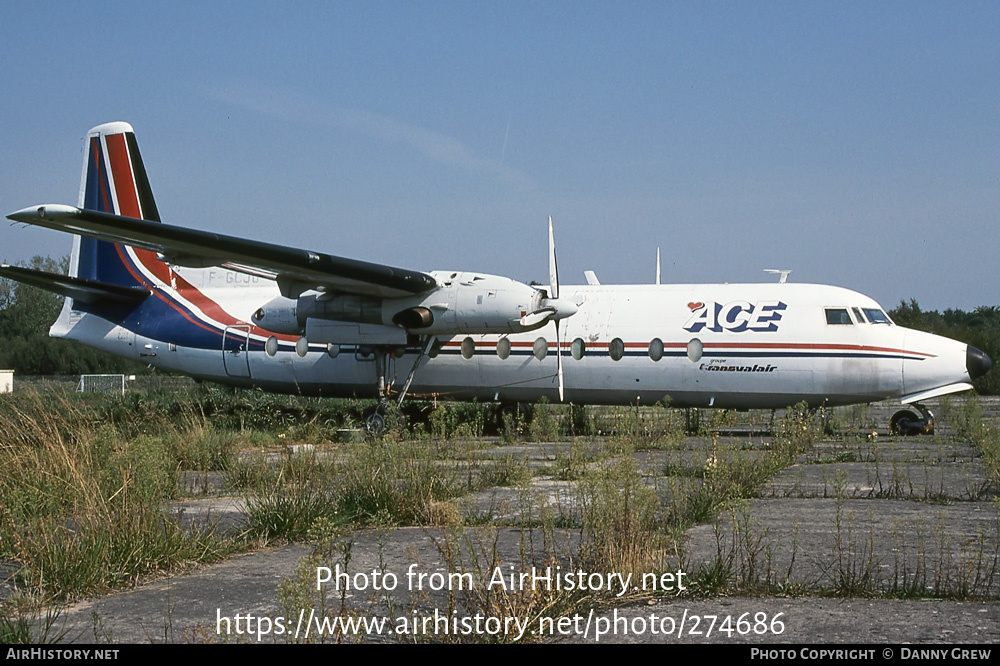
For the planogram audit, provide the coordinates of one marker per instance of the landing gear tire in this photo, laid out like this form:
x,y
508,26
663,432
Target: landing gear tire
x,y
379,420
374,419
906,422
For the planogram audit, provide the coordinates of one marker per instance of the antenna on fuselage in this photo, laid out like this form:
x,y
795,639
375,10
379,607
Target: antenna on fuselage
x,y
781,272
657,265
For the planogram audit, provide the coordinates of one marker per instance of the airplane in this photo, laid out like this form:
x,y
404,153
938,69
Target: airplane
x,y
254,314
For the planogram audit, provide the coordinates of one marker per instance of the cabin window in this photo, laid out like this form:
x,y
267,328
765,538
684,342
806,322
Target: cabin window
x,y
468,348
503,348
578,348
858,317
877,316
838,316
695,349
616,349
540,349
656,349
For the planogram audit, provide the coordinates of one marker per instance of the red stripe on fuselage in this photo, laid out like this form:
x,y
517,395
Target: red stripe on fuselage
x,y
192,294
810,345
158,293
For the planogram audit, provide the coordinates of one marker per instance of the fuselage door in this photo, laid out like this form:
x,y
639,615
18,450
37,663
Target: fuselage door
x,y
235,355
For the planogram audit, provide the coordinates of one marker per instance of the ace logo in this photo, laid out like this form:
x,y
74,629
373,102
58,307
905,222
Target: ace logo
x,y
735,316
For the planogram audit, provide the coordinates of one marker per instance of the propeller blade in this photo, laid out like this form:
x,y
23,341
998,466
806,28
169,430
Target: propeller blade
x,y
553,269
559,369
554,296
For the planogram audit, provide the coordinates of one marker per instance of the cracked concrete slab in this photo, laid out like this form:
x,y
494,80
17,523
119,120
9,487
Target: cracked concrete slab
x,y
853,518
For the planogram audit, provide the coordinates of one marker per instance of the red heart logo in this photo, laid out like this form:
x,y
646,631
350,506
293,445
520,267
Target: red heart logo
x,y
695,306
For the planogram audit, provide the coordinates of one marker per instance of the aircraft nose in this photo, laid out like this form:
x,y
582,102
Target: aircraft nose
x,y
977,362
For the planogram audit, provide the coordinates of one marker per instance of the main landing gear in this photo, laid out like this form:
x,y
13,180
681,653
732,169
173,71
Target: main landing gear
x,y
915,419
377,419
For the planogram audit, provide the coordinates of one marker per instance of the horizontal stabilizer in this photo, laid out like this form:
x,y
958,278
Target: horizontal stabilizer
x,y
79,289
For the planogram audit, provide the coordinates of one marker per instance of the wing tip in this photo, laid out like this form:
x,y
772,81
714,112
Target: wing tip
x,y
32,214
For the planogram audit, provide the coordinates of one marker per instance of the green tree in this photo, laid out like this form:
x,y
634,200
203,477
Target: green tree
x,y
907,314
26,313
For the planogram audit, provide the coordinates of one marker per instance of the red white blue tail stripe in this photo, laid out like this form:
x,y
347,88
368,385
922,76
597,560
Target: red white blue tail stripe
x,y
114,181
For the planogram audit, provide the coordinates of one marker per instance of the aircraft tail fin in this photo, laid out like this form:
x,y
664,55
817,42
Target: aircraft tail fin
x,y
114,181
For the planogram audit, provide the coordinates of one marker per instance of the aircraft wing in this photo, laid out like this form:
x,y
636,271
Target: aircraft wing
x,y
295,270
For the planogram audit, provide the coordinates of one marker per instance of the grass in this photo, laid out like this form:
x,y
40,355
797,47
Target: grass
x,y
84,497
621,531
479,553
30,624
82,507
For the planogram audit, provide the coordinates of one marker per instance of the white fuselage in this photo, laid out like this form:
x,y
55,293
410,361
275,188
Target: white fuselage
x,y
344,327
706,345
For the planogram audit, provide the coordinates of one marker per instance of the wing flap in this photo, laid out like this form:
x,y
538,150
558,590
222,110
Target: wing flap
x,y
302,269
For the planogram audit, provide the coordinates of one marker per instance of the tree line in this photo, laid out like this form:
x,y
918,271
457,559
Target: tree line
x,y
27,312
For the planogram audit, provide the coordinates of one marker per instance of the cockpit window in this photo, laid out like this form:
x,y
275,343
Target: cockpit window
x,y
877,316
858,317
838,316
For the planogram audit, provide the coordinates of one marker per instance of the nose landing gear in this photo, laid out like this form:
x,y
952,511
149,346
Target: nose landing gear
x,y
915,419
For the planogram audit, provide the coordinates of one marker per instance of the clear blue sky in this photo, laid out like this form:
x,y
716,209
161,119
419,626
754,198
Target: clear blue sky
x,y
857,143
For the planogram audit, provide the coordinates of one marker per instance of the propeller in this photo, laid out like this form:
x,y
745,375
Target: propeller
x,y
552,308
554,288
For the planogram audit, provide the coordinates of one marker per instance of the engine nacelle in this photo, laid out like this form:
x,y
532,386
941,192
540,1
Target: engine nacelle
x,y
279,315
477,303
463,303
289,315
